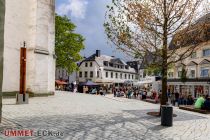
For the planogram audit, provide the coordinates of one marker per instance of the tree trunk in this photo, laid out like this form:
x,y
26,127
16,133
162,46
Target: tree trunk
x,y
164,87
2,15
164,57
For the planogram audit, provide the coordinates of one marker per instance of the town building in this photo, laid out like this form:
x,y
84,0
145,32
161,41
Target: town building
x,y
106,70
33,22
197,67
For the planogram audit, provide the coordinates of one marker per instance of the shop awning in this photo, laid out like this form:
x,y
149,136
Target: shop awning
x,y
59,82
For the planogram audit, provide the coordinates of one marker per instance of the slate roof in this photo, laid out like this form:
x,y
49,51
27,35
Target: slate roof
x,y
198,33
100,61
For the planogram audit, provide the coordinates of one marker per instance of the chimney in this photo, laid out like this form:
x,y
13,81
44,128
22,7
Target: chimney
x,y
98,53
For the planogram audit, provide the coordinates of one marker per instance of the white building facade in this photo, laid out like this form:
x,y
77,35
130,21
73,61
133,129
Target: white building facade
x,y
198,73
105,70
31,21
196,67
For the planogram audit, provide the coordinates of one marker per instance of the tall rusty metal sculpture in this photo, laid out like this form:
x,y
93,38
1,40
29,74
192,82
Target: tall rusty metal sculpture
x,y
22,97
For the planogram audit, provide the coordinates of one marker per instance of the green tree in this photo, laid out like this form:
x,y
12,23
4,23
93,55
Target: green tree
x,y
2,15
68,44
183,75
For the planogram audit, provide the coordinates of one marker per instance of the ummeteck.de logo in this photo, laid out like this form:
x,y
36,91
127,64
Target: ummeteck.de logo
x,y
31,133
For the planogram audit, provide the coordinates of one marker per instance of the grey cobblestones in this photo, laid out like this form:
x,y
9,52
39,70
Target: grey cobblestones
x,y
90,117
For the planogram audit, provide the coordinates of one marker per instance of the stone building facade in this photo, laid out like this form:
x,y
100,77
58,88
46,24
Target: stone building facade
x,y
31,21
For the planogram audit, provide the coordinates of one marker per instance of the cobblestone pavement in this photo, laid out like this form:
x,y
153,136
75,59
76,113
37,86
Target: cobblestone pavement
x,y
92,117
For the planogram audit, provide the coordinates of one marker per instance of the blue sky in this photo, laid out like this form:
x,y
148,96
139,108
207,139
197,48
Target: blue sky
x,y
88,16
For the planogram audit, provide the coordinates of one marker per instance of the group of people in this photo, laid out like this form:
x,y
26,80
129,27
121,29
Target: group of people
x,y
131,92
177,99
98,91
203,102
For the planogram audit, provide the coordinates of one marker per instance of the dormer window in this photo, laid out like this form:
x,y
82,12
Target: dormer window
x,y
106,63
193,55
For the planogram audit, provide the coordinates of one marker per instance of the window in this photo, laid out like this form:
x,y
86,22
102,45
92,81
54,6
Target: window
x,y
111,64
204,72
129,76
193,55
86,64
107,74
116,75
80,74
179,74
192,73
120,75
132,76
91,64
170,74
111,74
126,67
125,76
86,74
91,74
106,63
206,52
98,74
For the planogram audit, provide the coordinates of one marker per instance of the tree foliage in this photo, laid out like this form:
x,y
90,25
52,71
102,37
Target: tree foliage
x,y
183,75
68,44
158,28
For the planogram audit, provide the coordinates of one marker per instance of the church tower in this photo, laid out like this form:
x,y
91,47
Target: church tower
x,y
32,21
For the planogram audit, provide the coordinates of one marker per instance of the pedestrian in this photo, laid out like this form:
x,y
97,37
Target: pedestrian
x,y
173,98
176,98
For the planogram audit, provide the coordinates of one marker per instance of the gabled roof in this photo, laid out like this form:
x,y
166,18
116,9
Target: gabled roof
x,y
180,65
192,63
117,61
205,61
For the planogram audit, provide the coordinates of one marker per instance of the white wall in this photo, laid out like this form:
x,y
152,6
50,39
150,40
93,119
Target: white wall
x,y
31,21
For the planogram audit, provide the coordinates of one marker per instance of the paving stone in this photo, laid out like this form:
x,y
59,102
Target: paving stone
x,y
93,117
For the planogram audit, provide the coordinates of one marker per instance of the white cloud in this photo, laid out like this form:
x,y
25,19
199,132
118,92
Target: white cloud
x,y
76,8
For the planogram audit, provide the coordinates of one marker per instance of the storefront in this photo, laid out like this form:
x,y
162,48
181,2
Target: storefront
x,y
195,88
